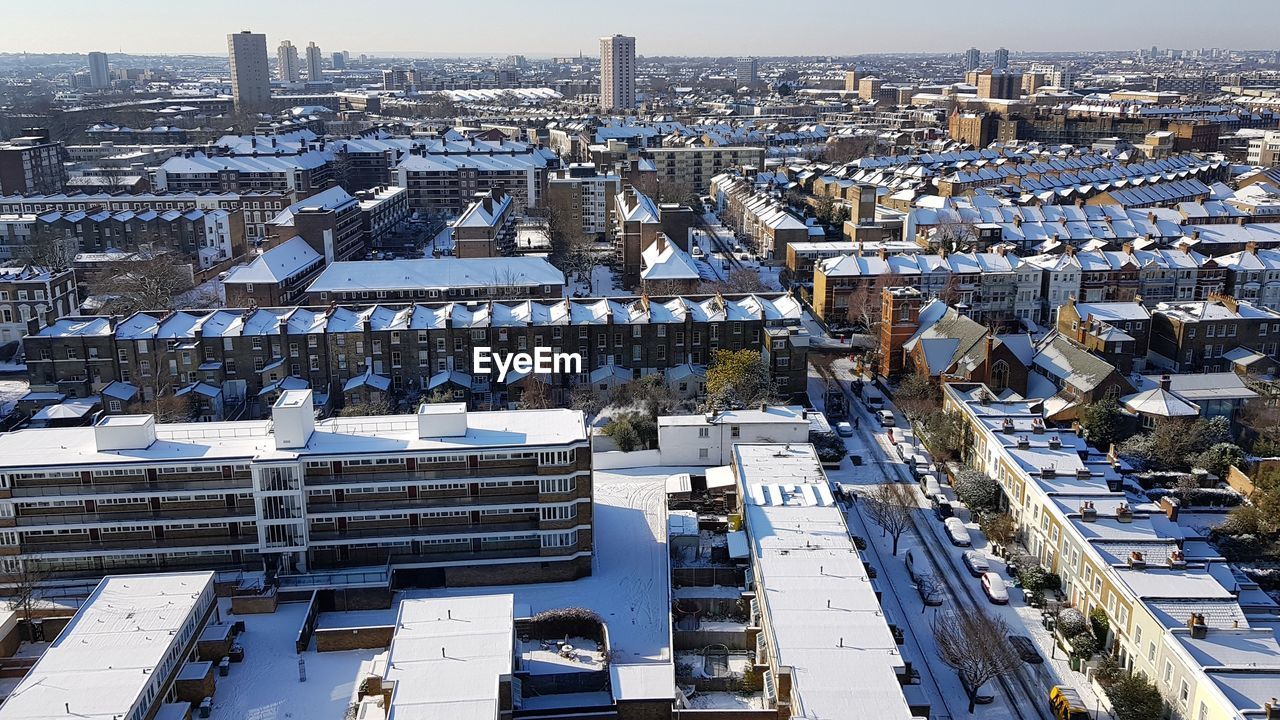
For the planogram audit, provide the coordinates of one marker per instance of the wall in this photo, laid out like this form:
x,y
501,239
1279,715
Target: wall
x,y
618,460
336,639
254,604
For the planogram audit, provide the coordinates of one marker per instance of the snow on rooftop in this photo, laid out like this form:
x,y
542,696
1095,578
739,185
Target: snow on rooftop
x,y
448,653
436,274
825,621
277,264
103,663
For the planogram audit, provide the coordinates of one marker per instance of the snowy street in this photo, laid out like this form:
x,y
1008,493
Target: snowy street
x,y
1020,697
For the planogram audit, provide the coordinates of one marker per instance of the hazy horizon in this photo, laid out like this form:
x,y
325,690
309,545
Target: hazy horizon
x,y
567,27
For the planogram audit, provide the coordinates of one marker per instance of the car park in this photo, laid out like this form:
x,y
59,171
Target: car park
x,y
993,585
975,563
1026,649
957,532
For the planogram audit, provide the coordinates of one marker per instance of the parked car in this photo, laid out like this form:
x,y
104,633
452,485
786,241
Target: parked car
x,y
930,594
975,563
1025,649
958,533
942,507
886,418
844,429
874,399
993,586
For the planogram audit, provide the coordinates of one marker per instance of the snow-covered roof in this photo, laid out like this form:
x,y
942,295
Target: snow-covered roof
x,y
276,265
1158,402
107,657
664,260
436,274
825,621
450,653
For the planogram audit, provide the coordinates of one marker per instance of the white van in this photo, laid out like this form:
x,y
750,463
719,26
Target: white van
x,y
958,533
931,488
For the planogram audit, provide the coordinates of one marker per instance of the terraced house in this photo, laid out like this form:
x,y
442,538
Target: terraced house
x,y
445,496
1175,612
248,357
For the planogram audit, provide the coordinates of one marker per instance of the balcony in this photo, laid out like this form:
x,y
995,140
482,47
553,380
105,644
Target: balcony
x,y
423,531
140,544
159,487
420,503
145,516
459,474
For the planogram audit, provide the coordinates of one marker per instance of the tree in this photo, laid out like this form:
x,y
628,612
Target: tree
x,y
824,208
23,592
978,490
944,434
974,645
1103,422
889,505
50,249
633,431
917,396
1218,459
842,150
1133,697
367,408
148,280
953,234
536,395
740,280
738,379
1174,442
1000,529
167,407
587,399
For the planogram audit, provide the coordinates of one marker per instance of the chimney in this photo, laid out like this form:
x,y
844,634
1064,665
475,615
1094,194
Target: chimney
x,y
1170,507
1251,247
1127,248
1166,382
1123,513
1271,709
1088,513
1037,426
1198,629
1024,442
293,419
1177,559
884,253
1055,443
1135,560
1006,425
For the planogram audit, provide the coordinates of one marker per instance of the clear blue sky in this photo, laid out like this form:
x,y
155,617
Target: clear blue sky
x,y
662,27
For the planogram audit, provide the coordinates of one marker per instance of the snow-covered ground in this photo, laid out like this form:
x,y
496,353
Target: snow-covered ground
x,y
266,687
11,391
602,284
629,587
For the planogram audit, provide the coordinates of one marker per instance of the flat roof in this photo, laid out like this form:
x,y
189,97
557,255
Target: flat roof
x,y
246,440
824,619
447,655
101,664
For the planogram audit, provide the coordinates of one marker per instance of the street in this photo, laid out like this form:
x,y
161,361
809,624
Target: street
x,y
1023,695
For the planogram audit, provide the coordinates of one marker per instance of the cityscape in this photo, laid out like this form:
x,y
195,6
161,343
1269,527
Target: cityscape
x,y
575,361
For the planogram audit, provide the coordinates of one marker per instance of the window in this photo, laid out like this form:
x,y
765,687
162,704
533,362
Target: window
x,y
703,453
735,431
704,432
1168,672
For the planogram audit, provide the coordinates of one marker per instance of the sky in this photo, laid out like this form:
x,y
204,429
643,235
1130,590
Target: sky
x,y
661,27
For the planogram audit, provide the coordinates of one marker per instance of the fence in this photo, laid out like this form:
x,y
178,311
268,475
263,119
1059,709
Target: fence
x,y
308,623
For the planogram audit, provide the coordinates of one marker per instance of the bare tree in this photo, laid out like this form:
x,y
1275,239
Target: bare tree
x,y
536,395
890,505
167,408
841,150
953,235
740,280
147,280
930,589
24,593
50,249
974,644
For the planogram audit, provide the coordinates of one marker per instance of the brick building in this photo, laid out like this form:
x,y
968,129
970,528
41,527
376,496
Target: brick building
x,y
446,497
250,355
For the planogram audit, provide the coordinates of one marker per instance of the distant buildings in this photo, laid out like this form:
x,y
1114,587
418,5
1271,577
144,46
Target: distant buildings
x,y
586,195
99,70
288,69
617,73
972,59
315,63
1000,59
747,71
32,163
339,61
250,76
34,294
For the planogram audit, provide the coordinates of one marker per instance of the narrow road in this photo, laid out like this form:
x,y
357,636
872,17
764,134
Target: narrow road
x,y
1022,696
